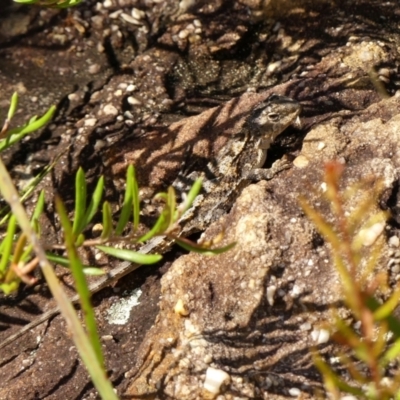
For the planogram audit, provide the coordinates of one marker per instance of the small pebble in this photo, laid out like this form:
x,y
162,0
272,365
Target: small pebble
x,y
301,161
214,380
109,109
295,392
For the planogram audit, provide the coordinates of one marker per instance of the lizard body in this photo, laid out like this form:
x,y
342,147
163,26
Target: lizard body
x,y
238,163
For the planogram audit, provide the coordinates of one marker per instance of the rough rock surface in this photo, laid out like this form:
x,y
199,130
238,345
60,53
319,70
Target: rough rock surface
x,y
251,312
135,80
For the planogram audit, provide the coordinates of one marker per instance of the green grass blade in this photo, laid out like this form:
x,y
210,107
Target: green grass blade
x,y
93,271
16,134
126,208
80,282
107,221
158,227
87,270
82,344
171,206
19,249
94,202
35,124
129,255
135,201
39,207
56,259
7,245
13,106
193,193
68,3
80,202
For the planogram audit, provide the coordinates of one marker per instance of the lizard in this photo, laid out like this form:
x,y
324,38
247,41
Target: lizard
x,y
238,163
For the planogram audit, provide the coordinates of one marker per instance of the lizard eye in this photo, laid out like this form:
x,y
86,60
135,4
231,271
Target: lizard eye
x,y
274,117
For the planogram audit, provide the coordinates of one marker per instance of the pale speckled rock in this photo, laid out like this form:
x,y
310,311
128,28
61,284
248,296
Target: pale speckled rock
x,y
226,299
230,324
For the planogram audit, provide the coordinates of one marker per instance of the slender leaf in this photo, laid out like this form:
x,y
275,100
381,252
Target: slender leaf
x,y
193,193
81,341
80,282
135,201
19,249
87,270
7,244
34,123
93,271
158,227
171,205
13,106
129,255
10,287
15,135
80,202
126,208
107,221
39,207
332,381
56,259
94,202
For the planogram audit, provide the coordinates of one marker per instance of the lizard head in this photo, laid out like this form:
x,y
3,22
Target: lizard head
x,y
274,115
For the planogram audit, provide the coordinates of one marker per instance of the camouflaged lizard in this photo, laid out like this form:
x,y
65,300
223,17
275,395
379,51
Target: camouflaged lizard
x,y
236,165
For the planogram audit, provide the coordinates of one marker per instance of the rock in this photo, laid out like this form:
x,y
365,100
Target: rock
x,y
230,324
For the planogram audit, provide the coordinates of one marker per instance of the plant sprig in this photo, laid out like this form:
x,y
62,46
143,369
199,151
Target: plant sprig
x,y
51,3
366,351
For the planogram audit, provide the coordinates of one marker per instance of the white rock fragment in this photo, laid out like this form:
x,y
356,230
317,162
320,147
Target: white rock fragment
x,y
109,109
274,66
369,235
295,392
138,14
296,290
133,101
320,336
90,122
214,380
301,161
183,34
73,97
270,294
394,241
118,313
115,14
130,20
